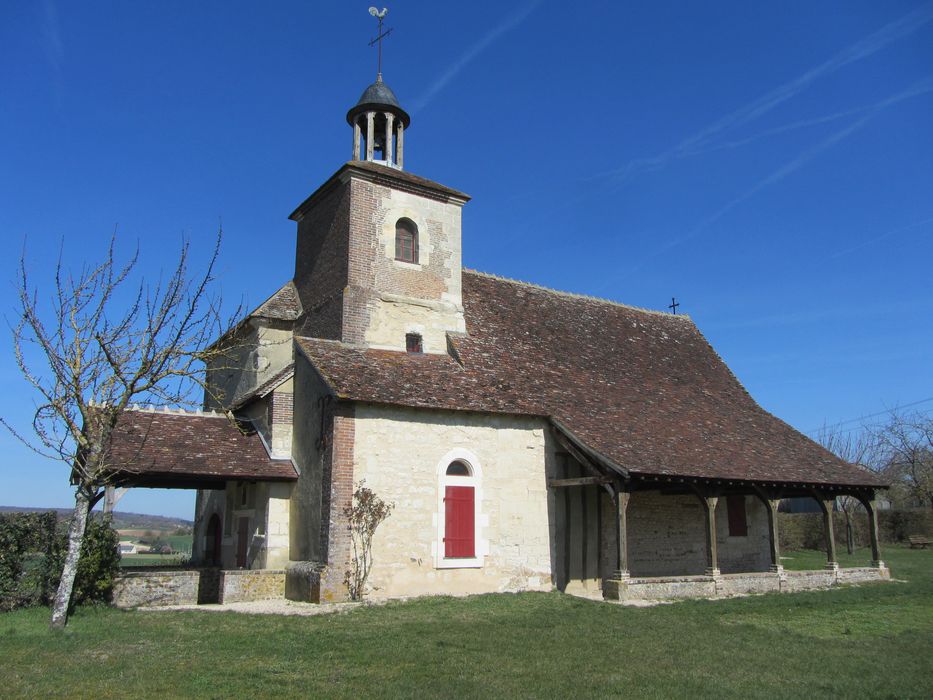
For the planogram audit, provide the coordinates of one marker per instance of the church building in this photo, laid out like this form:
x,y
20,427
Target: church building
x,y
528,438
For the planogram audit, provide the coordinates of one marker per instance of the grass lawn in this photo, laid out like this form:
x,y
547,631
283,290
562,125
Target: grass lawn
x,y
874,640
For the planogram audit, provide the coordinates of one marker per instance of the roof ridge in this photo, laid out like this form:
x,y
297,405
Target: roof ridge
x,y
173,411
576,295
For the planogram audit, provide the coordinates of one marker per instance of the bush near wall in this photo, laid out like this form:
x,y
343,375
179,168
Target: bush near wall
x,y
32,555
805,530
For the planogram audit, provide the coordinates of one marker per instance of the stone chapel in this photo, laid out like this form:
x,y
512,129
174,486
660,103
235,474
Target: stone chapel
x,y
528,438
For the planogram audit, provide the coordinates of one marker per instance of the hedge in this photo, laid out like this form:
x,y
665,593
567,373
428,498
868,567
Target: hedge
x,y
32,555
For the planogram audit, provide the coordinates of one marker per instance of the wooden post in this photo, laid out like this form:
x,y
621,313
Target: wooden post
x,y
399,156
712,555
871,508
388,149
370,135
356,139
621,503
585,534
826,505
771,506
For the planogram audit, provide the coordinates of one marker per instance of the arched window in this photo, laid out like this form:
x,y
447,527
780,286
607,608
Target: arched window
x,y
406,241
459,517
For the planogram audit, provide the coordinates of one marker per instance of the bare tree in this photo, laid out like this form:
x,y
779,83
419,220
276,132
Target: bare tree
x,y
858,447
97,345
906,444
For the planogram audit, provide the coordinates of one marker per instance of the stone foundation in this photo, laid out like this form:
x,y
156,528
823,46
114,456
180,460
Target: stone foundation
x,y
257,584
724,585
147,587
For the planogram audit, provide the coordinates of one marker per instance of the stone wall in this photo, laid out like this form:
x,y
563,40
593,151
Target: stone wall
x,y
147,587
308,451
400,452
423,298
667,536
674,587
243,585
257,352
141,587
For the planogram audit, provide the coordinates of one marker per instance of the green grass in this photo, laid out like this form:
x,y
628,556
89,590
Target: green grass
x,y
804,559
873,640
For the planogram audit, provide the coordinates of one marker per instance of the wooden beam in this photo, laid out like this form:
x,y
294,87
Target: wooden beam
x,y
581,458
579,481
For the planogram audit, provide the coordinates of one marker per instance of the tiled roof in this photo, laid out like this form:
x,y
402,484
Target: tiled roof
x,y
382,174
271,383
643,388
154,447
284,304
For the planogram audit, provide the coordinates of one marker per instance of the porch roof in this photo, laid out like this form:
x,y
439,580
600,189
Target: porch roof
x,y
179,449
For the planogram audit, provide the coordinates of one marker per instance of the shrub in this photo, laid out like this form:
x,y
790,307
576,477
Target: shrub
x,y
364,515
32,555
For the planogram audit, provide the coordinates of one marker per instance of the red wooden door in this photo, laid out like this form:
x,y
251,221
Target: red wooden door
x,y
459,530
242,542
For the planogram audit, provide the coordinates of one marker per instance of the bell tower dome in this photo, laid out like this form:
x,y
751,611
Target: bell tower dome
x,y
379,125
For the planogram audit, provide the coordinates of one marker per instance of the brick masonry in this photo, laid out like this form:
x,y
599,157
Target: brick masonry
x,y
337,494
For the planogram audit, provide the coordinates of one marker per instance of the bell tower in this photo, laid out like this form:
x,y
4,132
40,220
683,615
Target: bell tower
x,y
379,124
378,256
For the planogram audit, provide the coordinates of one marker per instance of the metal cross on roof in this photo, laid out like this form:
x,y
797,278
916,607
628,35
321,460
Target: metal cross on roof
x,y
673,306
382,34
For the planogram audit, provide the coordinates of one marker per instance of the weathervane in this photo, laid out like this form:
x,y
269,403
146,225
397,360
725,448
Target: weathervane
x,y
382,34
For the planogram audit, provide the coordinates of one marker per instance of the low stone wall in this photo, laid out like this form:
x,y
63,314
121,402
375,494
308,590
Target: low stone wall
x,y
725,585
153,587
237,586
133,588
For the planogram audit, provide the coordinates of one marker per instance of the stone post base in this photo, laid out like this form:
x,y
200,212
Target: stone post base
x,y
712,572
832,566
303,582
615,587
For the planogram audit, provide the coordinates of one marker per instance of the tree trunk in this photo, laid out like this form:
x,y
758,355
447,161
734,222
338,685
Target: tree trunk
x,y
75,537
850,533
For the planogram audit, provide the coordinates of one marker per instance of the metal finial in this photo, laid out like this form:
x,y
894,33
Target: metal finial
x,y
378,40
673,306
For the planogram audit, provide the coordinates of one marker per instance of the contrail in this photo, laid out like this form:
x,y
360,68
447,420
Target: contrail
x,y
861,49
886,234
508,23
785,170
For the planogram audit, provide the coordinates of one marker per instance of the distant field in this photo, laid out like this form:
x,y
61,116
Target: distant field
x,y
869,641
180,543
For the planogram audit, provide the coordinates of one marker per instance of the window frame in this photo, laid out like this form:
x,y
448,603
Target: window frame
x,y
419,349
475,480
403,226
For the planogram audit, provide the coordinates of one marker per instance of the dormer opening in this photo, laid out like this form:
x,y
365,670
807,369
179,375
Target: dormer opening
x,y
413,343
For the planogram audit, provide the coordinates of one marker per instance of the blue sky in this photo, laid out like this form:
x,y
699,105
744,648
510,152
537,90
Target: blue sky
x,y
770,165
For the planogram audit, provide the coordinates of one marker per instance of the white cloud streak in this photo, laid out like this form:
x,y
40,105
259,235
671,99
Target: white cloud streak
x,y
789,168
860,50
886,234
510,22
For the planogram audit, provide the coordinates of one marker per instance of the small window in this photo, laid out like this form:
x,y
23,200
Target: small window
x,y
738,522
458,469
413,342
406,241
